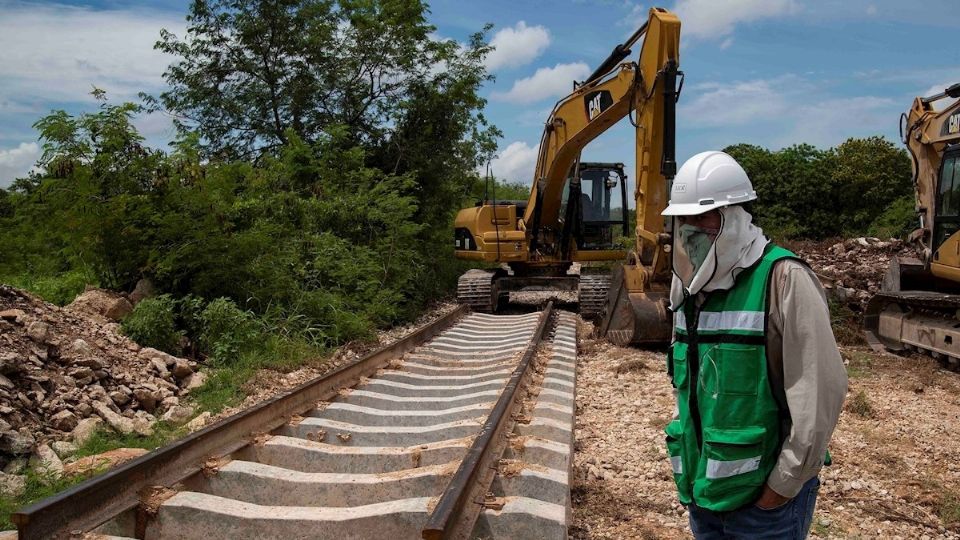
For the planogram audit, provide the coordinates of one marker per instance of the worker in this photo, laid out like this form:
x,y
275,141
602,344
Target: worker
x,y
757,374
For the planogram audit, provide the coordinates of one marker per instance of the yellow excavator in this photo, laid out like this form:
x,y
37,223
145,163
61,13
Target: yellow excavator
x,y
918,307
575,208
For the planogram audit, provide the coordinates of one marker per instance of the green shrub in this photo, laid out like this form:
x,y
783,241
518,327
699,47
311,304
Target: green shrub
x,y
190,317
897,220
153,324
228,331
861,406
228,383
60,289
845,324
948,508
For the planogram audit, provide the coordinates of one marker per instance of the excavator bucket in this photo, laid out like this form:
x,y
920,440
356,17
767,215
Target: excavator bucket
x,y
639,318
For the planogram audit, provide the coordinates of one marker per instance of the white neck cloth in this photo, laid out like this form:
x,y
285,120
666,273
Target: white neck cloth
x,y
738,246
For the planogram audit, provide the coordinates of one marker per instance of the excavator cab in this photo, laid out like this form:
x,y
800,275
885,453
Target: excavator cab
x,y
598,215
947,222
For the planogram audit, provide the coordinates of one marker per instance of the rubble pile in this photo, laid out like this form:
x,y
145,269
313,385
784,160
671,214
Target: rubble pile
x,y
66,371
852,270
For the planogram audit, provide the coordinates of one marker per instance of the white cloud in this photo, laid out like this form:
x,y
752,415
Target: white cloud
x,y
516,162
871,10
734,103
57,53
17,162
726,43
782,111
942,103
157,128
831,121
638,13
547,82
710,19
517,46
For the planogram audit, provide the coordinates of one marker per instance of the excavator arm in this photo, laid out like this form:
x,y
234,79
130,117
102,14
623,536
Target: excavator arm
x,y
646,88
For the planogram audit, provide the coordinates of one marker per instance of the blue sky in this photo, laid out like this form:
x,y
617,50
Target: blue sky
x,y
768,72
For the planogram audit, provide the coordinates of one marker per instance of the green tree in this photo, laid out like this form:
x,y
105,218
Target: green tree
x,y
794,189
863,186
92,200
252,74
249,70
871,174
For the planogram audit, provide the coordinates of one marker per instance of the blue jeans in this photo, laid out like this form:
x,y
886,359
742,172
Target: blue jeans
x,y
791,520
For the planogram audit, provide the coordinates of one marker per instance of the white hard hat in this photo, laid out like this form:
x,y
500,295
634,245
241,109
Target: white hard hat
x,y
706,181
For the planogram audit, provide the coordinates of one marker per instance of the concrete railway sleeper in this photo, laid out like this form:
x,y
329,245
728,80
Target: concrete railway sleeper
x,y
463,429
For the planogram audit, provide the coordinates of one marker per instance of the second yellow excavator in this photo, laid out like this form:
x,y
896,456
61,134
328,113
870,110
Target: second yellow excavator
x,y
918,307
575,209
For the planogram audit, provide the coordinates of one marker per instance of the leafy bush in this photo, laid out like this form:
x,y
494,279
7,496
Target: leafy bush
x,y
60,289
860,405
898,220
504,190
153,324
190,317
228,331
845,323
226,383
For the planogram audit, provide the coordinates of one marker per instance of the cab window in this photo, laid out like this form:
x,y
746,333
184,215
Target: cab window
x,y
948,203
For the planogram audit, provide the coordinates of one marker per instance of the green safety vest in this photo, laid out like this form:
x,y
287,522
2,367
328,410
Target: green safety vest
x,y
727,438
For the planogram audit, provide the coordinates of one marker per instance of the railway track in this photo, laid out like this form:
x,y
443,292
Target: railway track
x,y
462,430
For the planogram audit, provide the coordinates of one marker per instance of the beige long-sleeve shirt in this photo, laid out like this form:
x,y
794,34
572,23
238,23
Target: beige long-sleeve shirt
x,y
806,373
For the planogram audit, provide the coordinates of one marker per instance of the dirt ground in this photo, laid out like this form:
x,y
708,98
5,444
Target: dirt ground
x,y
896,450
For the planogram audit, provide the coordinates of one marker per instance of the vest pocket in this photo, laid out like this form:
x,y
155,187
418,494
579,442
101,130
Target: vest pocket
x,y
679,359
739,370
732,459
674,431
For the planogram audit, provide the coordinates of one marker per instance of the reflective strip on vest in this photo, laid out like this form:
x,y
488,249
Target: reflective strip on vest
x,y
724,320
725,469
676,462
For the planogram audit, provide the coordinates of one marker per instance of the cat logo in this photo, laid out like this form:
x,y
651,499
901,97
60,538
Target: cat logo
x,y
596,103
594,107
954,124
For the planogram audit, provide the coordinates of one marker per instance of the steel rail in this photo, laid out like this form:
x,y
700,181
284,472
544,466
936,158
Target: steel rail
x,y
458,508
99,499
